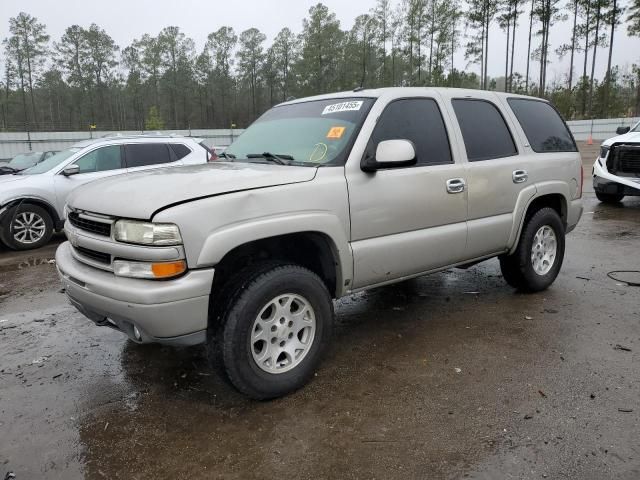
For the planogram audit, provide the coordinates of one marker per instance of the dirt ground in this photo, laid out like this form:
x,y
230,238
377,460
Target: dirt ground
x,y
453,375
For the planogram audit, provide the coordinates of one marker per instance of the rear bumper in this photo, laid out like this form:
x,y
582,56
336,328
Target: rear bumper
x,y
170,312
574,213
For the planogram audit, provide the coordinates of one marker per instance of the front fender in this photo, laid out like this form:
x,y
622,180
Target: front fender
x,y
7,205
225,239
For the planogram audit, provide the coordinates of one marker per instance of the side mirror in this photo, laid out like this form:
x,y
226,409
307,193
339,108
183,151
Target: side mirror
x,y
622,130
391,154
71,170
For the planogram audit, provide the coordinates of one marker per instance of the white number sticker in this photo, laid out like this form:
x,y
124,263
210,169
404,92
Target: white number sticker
x,y
342,107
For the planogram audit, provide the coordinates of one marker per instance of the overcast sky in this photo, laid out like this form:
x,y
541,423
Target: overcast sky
x,y
126,20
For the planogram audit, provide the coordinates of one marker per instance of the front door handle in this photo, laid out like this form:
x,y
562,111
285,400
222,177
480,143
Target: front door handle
x,y
456,185
520,176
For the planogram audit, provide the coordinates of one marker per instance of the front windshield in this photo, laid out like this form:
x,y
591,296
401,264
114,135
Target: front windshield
x,y
310,133
636,128
25,160
50,162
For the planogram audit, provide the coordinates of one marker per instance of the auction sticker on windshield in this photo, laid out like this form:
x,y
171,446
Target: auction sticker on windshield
x,y
336,133
342,107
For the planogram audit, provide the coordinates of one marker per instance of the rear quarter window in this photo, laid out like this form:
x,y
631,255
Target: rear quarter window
x,y
180,150
543,126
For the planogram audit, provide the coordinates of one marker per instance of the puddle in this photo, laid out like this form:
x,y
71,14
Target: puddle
x,y
26,264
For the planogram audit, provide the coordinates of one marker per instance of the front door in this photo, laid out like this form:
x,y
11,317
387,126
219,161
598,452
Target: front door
x,y
99,163
405,221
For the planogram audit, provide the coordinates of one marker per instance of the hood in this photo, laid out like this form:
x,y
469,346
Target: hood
x,y
139,195
4,179
627,137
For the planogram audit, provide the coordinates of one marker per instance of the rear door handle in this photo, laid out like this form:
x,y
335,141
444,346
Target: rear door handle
x,y
456,185
520,176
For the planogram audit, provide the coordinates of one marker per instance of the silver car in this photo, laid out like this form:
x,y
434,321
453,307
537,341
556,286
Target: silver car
x,y
32,201
320,198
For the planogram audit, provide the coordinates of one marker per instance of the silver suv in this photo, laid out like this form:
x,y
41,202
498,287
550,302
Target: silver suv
x,y
32,201
320,198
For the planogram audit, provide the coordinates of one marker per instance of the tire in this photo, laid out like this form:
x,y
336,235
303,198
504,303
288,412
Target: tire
x,y
532,270
260,367
38,231
609,197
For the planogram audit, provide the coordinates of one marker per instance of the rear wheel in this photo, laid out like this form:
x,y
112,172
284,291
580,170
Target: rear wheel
x,y
26,227
274,330
609,197
538,258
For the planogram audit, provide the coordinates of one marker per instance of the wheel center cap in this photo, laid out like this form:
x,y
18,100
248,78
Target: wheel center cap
x,y
282,333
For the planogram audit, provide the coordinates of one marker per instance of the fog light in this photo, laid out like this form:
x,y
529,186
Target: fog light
x,y
136,333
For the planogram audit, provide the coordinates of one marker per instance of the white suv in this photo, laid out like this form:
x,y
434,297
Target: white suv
x,y
32,201
616,173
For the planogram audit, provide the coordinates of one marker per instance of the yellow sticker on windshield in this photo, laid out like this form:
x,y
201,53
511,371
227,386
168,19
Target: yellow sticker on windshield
x,y
336,133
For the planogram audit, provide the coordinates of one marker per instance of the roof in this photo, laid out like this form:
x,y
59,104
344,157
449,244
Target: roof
x,y
144,138
379,92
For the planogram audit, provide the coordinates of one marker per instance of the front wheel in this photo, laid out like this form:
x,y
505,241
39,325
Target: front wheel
x,y
275,331
609,197
26,227
535,264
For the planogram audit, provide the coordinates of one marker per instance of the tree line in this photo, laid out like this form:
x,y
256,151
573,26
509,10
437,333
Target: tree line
x,y
85,80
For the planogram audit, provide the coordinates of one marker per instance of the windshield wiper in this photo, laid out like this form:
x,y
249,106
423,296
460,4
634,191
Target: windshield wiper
x,y
6,168
279,159
230,156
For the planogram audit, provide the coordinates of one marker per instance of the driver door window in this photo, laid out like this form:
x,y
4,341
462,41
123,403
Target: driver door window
x,y
417,120
101,160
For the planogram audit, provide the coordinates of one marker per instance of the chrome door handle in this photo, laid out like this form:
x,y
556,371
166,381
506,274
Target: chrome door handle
x,y
456,185
520,176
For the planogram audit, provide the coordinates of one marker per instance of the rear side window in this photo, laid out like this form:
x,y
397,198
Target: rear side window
x,y
485,133
418,120
543,126
180,150
145,154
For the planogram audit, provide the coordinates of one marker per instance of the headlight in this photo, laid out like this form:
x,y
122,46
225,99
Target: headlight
x,y
603,151
145,233
152,271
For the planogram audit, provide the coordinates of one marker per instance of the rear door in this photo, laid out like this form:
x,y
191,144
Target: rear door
x,y
146,156
403,220
497,172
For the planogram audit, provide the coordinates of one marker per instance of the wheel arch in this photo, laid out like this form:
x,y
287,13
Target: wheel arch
x,y
554,195
57,221
287,248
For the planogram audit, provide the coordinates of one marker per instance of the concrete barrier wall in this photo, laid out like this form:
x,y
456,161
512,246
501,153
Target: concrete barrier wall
x,y
600,129
13,143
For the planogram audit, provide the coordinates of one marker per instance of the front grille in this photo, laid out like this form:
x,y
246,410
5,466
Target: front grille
x,y
99,228
629,159
99,257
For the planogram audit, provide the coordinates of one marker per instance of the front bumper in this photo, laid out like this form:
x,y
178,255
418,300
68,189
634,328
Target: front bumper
x,y
169,312
605,182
